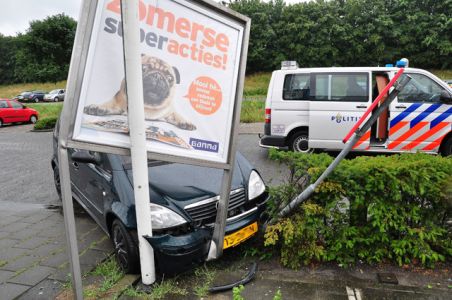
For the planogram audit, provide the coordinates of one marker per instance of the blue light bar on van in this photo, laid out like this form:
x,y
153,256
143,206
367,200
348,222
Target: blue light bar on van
x,y
389,65
401,64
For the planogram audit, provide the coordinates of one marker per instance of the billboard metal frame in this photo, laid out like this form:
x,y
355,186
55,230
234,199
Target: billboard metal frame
x,y
69,113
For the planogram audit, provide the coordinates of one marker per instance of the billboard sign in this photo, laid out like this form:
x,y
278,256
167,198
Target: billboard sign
x,y
190,68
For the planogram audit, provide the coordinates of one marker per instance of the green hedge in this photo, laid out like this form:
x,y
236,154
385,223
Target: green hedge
x,y
45,123
372,208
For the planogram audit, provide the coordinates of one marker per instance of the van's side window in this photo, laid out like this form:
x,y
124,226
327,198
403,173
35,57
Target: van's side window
x,y
352,87
420,89
296,87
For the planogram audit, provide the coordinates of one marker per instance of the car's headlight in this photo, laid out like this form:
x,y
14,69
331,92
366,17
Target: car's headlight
x,y
255,185
162,217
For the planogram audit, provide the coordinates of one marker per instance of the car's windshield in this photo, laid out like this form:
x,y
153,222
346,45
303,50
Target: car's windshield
x,y
54,92
127,162
25,93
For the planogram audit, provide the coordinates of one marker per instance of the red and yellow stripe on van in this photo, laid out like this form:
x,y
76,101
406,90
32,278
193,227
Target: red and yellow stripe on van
x,y
410,130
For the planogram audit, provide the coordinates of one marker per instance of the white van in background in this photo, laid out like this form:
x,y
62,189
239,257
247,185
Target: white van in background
x,y
315,108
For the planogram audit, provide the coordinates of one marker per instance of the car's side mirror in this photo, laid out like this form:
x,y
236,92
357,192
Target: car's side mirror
x,y
86,157
23,106
445,97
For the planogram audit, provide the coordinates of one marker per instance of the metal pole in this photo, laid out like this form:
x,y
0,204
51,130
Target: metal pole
x,y
355,138
69,219
216,245
134,86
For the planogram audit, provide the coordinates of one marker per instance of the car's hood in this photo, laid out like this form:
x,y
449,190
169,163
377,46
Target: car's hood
x,y
185,184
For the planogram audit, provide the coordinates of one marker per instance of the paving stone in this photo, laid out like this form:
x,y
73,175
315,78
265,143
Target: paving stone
x,y
9,291
8,219
52,232
50,248
104,245
36,218
4,234
14,227
32,276
24,234
10,253
25,261
61,274
32,243
7,243
93,257
55,260
5,275
44,290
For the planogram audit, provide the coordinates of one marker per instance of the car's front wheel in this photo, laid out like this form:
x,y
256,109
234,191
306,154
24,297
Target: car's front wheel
x,y
1,122
33,119
126,249
56,99
36,99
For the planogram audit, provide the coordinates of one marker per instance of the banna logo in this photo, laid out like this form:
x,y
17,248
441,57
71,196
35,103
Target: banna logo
x,y
204,145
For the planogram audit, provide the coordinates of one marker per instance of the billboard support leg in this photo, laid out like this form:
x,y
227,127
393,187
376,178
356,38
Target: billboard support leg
x,y
69,221
134,86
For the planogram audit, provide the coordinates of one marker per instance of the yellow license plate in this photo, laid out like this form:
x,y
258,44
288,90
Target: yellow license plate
x,y
239,236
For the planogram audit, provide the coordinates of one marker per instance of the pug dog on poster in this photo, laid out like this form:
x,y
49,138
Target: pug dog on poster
x,y
159,81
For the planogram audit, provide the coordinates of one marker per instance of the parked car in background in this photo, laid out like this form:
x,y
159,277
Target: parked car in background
x,y
12,111
22,96
33,96
55,95
183,204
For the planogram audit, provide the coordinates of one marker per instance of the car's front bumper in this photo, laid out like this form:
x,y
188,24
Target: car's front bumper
x,y
175,254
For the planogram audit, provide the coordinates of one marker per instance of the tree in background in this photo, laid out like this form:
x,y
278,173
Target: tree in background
x,y
325,33
8,48
44,51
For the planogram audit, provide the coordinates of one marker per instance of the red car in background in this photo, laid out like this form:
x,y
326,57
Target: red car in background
x,y
12,111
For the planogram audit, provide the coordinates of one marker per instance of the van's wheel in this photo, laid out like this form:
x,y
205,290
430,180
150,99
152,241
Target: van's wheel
x,y
300,142
126,249
33,119
446,147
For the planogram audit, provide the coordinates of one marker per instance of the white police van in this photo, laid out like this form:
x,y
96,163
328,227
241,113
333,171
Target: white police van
x,y
315,108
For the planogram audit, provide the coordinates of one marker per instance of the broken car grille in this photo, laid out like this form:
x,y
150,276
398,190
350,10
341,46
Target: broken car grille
x,y
205,211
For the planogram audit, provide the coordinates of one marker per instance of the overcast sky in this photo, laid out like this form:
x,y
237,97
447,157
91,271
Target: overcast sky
x,y
15,15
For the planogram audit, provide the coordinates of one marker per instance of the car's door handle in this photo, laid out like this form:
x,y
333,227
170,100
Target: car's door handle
x,y
400,106
361,106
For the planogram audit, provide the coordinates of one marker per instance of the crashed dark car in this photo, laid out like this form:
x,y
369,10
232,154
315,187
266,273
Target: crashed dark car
x,y
183,204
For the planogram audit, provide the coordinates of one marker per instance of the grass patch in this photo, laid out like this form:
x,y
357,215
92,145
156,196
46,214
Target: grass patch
x,y
3,263
9,91
205,278
252,111
47,110
159,291
110,272
257,84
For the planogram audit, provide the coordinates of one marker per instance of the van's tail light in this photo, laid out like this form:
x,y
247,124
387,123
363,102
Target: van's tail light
x,y
268,115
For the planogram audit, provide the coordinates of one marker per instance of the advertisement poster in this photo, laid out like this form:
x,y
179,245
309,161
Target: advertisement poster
x,y
190,60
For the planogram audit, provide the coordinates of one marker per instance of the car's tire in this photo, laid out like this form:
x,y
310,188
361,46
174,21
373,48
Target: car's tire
x,y
57,181
126,250
56,99
299,142
33,119
1,122
446,147
36,99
